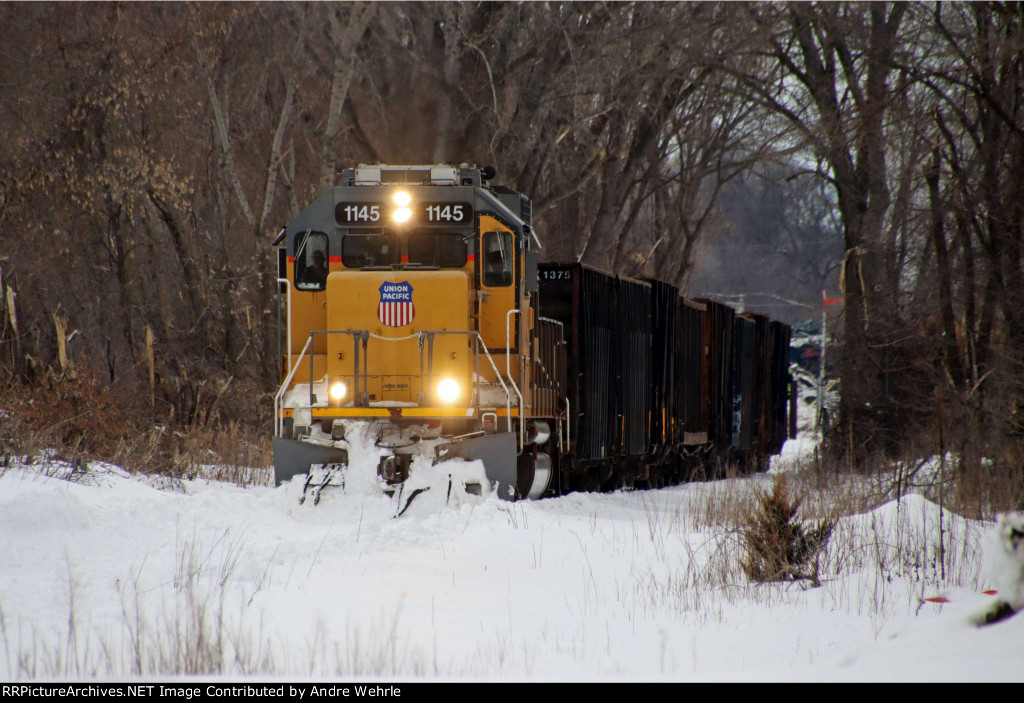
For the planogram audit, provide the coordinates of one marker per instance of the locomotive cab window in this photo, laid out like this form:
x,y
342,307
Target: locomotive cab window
x,y
311,261
498,258
444,249
369,248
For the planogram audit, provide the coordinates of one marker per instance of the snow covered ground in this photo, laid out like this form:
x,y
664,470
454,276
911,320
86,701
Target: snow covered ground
x,y
114,576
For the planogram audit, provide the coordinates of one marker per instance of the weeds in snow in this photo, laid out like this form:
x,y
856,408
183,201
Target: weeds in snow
x,y
199,622
641,562
776,546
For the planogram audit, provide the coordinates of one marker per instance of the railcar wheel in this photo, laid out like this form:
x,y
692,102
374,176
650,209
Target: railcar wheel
x,y
534,475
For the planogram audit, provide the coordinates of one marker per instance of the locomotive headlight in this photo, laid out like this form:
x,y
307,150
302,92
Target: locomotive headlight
x,y
448,391
402,199
338,391
402,214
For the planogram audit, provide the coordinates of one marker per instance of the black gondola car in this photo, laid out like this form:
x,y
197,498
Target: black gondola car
x,y
666,404
718,371
658,384
607,323
691,385
743,405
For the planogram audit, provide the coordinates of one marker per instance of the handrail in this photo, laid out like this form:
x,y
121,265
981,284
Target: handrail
x,y
508,372
278,421
508,395
357,337
547,376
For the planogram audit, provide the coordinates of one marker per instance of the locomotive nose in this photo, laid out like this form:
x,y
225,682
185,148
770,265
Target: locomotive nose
x,y
418,352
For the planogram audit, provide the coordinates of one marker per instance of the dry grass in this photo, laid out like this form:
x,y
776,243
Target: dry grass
x,y
75,421
777,547
874,566
874,561
201,623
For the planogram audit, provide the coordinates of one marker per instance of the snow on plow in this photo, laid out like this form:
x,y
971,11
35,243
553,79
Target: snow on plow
x,y
434,472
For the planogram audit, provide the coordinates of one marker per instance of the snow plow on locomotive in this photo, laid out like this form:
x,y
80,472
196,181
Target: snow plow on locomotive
x,y
414,303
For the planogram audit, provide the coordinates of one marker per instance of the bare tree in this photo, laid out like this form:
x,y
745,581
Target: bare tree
x,y
826,73
152,150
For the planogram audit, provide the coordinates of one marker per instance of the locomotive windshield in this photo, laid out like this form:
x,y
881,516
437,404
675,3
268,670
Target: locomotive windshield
x,y
444,249
370,248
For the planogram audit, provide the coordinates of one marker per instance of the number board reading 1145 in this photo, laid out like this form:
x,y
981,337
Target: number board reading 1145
x,y
422,213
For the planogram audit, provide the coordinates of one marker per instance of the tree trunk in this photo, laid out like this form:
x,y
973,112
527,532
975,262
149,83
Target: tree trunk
x,y
345,40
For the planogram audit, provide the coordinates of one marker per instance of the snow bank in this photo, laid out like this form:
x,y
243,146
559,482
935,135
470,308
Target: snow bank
x,y
585,587
1004,558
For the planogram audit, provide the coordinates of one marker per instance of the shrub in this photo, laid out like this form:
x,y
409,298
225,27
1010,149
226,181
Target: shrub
x,y
776,546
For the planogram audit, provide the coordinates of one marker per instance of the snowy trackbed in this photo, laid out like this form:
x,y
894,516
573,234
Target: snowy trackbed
x,y
111,576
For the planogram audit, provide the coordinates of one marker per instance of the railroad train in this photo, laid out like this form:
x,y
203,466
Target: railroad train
x,y
413,300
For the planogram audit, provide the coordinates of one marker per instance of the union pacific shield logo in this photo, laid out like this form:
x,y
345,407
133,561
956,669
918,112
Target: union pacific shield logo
x,y
396,308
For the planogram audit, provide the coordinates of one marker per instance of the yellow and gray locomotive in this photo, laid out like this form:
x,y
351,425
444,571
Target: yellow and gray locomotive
x,y
415,304
411,304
